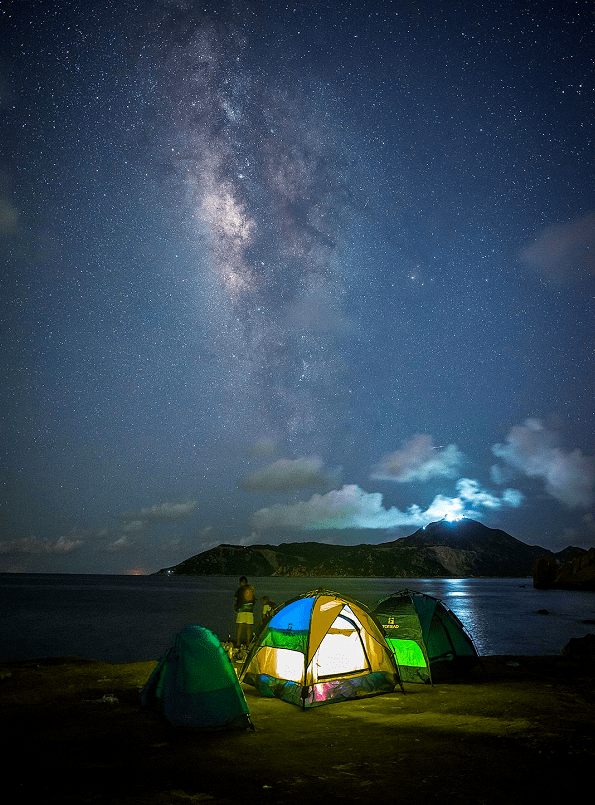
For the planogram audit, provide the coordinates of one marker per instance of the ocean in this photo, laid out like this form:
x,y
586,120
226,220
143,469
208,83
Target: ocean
x,y
120,619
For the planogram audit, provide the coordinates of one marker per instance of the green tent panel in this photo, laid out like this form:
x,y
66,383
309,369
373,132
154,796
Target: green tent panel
x,y
428,640
318,648
195,684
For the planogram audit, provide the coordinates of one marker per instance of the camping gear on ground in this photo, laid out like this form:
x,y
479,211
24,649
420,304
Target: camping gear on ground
x,y
320,647
195,684
429,641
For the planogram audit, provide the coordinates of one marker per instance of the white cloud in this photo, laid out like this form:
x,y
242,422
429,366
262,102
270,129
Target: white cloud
x,y
136,522
9,217
34,545
532,449
564,249
418,460
290,475
132,526
265,447
501,474
352,507
162,512
471,493
120,544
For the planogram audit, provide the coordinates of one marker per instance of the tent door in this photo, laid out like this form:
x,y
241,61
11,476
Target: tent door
x,y
341,652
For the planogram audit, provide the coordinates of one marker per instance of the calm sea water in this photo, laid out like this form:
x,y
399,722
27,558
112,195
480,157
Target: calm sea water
x,y
134,618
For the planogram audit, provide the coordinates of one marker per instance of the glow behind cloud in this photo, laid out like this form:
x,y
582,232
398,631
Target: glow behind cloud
x,y
351,507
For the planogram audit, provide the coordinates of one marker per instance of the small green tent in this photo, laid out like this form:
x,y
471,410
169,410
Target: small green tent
x,y
318,648
428,640
195,684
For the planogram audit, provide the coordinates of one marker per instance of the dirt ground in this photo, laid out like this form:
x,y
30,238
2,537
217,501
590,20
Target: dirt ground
x,y
512,731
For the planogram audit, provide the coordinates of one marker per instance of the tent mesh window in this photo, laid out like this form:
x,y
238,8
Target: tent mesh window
x,y
341,653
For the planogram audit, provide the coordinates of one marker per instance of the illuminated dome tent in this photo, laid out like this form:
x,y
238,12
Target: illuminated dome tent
x,y
318,648
428,640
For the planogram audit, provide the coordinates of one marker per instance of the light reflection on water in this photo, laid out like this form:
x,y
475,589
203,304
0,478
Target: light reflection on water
x,y
126,619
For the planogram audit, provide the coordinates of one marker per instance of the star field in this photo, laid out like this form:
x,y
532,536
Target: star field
x,y
273,270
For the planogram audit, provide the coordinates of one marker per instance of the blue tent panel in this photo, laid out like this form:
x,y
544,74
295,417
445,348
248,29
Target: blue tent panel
x,y
294,617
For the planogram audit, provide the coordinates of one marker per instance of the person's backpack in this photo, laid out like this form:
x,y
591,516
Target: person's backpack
x,y
246,595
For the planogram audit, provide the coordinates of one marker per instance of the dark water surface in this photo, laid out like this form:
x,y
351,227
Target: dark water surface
x,y
134,618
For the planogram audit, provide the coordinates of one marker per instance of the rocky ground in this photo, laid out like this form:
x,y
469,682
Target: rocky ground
x,y
518,729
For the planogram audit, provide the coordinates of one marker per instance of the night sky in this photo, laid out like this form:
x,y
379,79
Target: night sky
x,y
273,270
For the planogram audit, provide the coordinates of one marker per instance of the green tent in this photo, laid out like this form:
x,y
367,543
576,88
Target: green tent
x,y
428,640
195,684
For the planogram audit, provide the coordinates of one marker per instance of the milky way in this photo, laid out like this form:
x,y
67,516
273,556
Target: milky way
x,y
257,156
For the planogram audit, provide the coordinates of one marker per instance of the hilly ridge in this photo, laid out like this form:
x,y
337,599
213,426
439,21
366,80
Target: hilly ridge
x,y
461,549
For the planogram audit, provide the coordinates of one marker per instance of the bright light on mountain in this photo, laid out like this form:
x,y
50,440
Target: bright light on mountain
x,y
452,510
454,518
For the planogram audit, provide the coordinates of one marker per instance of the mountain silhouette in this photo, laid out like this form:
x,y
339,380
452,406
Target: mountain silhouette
x,y
445,549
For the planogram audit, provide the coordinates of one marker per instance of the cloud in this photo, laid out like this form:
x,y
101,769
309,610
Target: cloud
x,y
163,512
9,217
34,545
582,534
290,475
564,249
472,494
120,544
419,460
136,522
264,447
501,474
132,526
532,449
352,507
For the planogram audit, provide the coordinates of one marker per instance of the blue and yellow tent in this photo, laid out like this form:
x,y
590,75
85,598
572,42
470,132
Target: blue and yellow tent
x,y
428,640
195,684
318,648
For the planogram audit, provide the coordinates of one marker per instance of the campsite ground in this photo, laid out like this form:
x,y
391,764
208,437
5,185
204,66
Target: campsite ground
x,y
517,729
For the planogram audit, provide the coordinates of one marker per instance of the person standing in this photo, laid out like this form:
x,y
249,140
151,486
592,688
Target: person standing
x,y
244,598
267,608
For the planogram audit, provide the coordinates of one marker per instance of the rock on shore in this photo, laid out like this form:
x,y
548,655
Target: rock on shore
x,y
577,574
